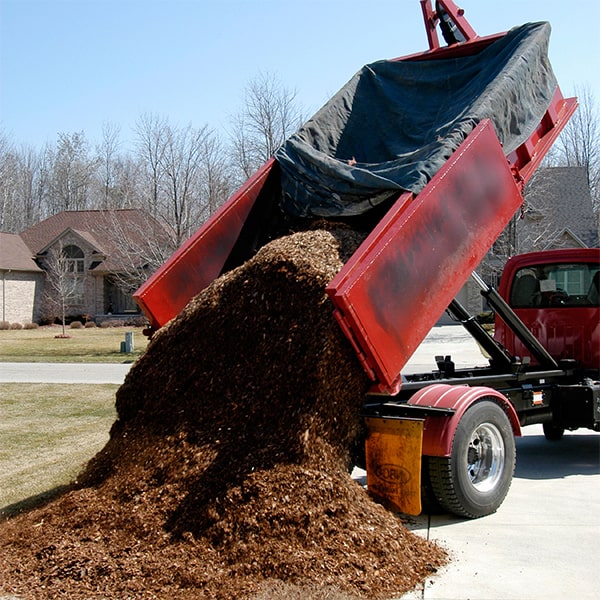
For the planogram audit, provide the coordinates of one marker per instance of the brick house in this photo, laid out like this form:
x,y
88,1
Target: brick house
x,y
105,254
21,281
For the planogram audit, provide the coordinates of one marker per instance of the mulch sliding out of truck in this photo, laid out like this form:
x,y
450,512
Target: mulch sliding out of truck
x,y
226,472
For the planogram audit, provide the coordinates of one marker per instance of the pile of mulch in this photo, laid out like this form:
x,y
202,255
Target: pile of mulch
x,y
226,473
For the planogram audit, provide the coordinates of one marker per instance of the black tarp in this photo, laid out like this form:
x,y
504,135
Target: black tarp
x,y
395,123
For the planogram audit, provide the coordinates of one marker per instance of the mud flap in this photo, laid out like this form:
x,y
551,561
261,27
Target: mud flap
x,y
393,457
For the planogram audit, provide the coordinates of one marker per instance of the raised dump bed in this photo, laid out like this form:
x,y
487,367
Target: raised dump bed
x,y
426,154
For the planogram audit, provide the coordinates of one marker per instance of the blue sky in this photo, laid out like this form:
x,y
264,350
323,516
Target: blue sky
x,y
72,65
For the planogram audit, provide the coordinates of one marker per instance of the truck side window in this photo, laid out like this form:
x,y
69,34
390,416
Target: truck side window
x,y
556,285
525,290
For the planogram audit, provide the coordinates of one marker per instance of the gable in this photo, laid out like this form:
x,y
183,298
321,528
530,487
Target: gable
x,y
71,236
102,231
565,239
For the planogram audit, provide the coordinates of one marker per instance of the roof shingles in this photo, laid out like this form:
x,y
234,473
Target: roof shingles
x,y
15,255
103,230
561,196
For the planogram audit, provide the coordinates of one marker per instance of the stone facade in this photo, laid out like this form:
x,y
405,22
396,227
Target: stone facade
x,y
78,303
20,294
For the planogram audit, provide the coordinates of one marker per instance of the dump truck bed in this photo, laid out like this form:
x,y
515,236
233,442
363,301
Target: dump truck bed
x,y
428,153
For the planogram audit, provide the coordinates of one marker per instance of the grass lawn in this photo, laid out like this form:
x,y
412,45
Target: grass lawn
x,y
83,345
49,432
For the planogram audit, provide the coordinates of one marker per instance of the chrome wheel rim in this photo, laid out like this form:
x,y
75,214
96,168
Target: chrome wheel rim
x,y
485,457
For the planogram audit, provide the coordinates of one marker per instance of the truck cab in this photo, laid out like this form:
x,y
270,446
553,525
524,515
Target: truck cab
x,y
556,295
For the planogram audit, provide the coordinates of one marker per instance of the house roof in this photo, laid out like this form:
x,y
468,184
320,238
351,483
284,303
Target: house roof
x,y
565,238
83,236
91,240
106,231
561,196
15,255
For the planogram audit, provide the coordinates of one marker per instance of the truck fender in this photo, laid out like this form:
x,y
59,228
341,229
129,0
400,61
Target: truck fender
x,y
438,431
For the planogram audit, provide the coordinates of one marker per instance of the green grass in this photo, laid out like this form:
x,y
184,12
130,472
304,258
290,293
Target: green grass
x,y
83,345
48,433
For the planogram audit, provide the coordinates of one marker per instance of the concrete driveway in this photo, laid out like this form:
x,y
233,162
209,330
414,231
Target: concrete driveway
x,y
541,544
544,541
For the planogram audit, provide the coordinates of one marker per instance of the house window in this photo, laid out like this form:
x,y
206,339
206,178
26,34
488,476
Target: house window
x,y
74,259
76,292
74,265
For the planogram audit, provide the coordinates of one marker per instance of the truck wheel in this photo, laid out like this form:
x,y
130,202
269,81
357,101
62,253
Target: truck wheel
x,y
553,432
429,502
474,480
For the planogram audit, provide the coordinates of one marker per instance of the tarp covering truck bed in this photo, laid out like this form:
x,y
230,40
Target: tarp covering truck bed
x,y
396,122
427,154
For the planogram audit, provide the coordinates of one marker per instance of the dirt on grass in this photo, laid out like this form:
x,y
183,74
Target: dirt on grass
x,y
226,473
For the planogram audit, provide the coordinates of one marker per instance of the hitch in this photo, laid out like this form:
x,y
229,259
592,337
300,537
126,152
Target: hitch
x,y
454,26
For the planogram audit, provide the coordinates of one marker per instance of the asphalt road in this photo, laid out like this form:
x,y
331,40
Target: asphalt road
x,y
63,372
447,339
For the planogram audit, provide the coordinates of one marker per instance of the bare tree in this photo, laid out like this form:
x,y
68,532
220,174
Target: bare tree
x,y
21,195
72,171
64,282
151,138
107,156
182,166
31,187
141,248
127,183
579,143
270,115
185,173
7,184
216,182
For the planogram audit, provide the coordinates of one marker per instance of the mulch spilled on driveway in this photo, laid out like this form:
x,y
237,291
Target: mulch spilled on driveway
x,y
226,473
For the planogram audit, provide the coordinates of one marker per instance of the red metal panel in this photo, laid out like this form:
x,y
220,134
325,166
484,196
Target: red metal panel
x,y
200,259
415,261
528,156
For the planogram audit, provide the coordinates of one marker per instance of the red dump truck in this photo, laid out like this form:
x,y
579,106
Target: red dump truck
x,y
428,155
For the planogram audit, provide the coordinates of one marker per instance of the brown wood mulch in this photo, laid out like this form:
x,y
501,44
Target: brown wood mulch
x,y
226,473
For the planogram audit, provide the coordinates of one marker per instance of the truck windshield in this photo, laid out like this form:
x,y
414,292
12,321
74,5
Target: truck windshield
x,y
567,285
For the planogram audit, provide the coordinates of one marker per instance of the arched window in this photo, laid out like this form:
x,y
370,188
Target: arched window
x,y
74,259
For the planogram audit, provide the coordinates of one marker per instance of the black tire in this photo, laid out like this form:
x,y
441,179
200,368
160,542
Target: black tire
x,y
553,432
429,503
474,480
